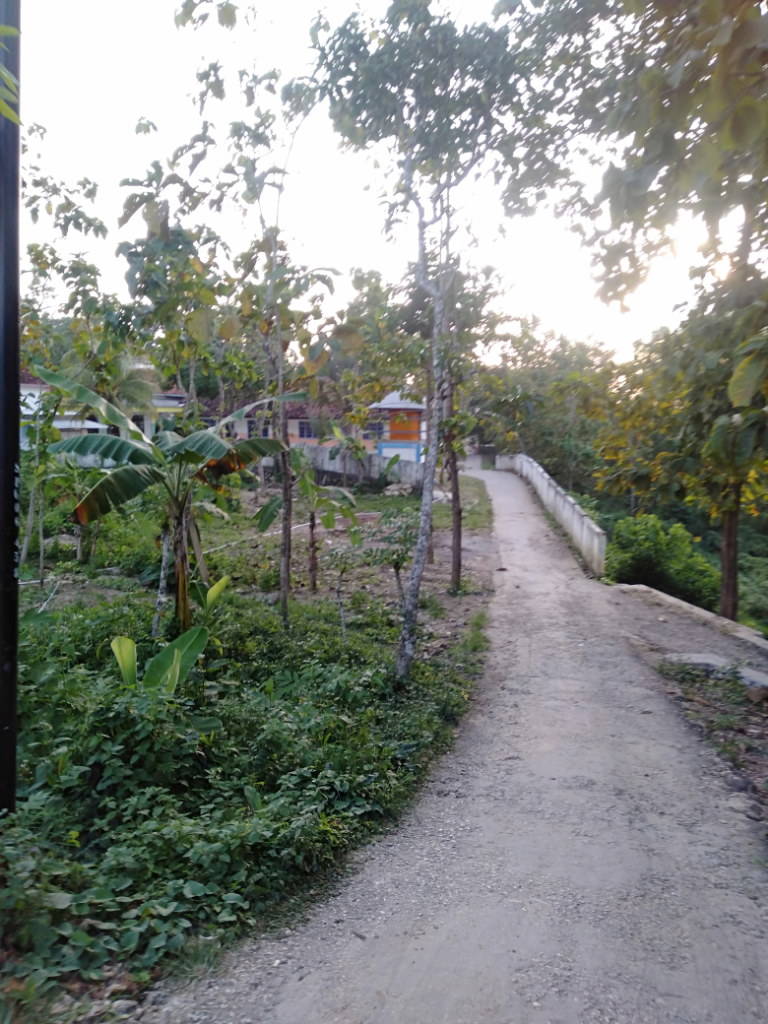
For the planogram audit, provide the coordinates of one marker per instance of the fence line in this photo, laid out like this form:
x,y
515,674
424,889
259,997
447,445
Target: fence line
x,y
583,531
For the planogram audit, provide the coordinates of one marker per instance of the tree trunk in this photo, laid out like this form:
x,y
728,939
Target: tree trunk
x,y
222,397
197,547
181,565
312,554
285,466
40,536
399,586
192,397
79,549
407,649
163,585
456,513
30,527
95,537
341,609
729,559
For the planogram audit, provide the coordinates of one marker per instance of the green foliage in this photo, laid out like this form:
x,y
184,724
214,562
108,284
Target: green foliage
x,y
675,95
431,603
148,816
642,551
269,578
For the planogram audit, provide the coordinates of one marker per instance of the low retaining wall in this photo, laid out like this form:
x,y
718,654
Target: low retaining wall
x,y
583,531
371,469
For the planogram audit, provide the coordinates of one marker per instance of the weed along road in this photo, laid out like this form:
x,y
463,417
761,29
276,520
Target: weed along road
x,y
576,859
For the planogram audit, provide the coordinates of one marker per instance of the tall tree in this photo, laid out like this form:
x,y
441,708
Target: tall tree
x,y
440,99
676,96
670,429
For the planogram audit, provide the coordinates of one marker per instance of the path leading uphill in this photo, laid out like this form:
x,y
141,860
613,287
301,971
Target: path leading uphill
x,y
574,859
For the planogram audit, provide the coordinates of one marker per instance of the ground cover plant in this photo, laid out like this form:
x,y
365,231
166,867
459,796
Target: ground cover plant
x,y
718,703
152,816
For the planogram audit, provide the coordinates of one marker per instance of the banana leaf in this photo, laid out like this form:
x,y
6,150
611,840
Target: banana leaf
x,y
106,446
115,489
241,414
268,513
189,645
108,412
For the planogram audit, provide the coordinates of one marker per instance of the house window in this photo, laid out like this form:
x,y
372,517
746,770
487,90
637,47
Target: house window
x,y
305,429
374,432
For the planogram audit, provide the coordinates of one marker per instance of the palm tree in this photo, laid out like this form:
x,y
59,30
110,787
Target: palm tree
x,y
130,388
177,464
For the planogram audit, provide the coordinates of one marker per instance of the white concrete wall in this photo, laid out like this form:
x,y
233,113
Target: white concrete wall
x,y
404,472
583,531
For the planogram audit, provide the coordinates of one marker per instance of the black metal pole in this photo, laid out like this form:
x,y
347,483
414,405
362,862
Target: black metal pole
x,y
10,417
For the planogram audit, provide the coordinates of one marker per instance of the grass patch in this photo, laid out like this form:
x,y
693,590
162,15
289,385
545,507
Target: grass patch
x,y
431,604
478,509
718,703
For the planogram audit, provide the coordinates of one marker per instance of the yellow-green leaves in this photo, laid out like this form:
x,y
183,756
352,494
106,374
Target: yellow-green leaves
x,y
156,214
711,11
227,15
748,377
201,325
746,124
229,327
124,650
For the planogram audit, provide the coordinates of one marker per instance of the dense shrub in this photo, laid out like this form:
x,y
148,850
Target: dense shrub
x,y
145,819
642,551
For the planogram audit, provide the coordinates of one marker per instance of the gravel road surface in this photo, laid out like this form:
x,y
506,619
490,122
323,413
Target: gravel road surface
x,y
580,857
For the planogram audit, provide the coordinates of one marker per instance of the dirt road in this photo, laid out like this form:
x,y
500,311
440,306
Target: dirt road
x,y
574,860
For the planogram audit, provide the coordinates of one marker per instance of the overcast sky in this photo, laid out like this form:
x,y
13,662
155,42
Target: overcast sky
x,y
92,68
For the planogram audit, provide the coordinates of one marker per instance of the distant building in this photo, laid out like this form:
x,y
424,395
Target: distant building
x,y
403,430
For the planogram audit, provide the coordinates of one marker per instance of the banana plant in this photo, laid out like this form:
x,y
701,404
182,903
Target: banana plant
x,y
177,464
167,669
208,597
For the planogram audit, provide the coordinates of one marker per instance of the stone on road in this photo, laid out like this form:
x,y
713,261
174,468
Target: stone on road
x,y
573,860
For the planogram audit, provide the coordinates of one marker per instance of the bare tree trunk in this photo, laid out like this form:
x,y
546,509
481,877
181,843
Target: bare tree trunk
x,y
30,527
399,587
197,547
431,545
407,649
285,463
163,585
95,537
312,554
456,515
40,536
341,608
181,565
193,387
79,548
729,558
453,474
222,396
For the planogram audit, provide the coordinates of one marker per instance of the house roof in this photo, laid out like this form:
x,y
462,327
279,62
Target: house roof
x,y
394,402
25,377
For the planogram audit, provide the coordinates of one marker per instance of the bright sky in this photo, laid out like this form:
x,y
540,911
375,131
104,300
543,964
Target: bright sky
x,y
92,68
